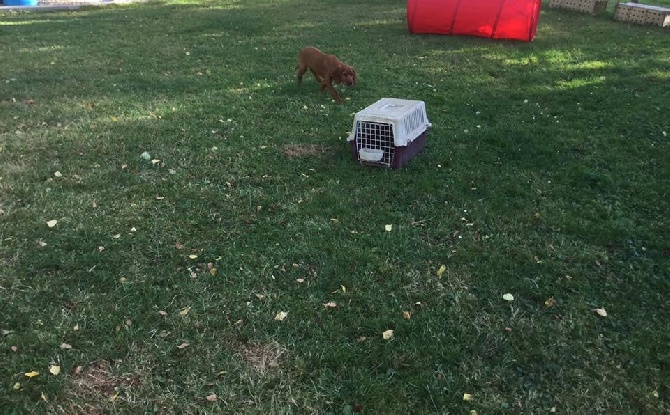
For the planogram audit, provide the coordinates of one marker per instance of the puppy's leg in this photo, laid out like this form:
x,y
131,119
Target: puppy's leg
x,y
317,77
332,91
301,71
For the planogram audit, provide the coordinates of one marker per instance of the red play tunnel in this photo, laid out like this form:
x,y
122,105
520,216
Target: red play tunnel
x,y
497,19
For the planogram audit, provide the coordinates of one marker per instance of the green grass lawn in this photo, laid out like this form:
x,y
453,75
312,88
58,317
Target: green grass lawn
x,y
138,285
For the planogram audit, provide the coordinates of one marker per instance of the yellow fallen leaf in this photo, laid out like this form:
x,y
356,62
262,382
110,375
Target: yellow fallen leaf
x,y
155,161
32,374
193,256
213,271
508,297
601,312
212,397
388,228
473,412
406,315
162,313
441,270
550,302
331,304
54,370
58,174
387,335
467,397
654,394
16,386
184,311
182,346
281,315
344,289
52,223
44,397
300,280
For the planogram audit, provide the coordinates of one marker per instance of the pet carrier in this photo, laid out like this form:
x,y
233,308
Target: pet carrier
x,y
642,14
389,132
588,6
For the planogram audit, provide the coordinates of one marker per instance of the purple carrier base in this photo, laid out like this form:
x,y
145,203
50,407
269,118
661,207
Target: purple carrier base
x,y
401,154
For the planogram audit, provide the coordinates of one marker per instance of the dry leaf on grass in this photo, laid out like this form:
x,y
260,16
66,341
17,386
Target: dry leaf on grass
x,y
387,335
32,374
331,304
54,370
212,397
281,315
52,223
601,312
441,270
508,297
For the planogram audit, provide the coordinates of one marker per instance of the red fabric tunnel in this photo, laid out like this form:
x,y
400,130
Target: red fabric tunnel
x,y
497,19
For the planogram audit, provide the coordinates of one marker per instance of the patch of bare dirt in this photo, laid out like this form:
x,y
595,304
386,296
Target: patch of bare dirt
x,y
92,389
306,150
262,357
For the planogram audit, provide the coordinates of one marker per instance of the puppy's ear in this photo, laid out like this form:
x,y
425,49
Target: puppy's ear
x,y
336,75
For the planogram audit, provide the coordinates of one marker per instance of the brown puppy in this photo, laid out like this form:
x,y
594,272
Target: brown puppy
x,y
326,69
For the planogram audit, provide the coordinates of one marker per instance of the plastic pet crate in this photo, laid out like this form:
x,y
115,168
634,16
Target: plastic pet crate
x,y
587,6
389,132
642,14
